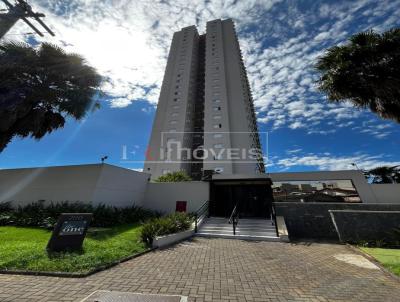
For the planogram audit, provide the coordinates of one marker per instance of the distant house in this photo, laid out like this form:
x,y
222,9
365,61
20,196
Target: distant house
x,y
346,194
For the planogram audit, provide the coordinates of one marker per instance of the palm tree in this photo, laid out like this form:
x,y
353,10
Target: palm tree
x,y
40,88
365,71
384,175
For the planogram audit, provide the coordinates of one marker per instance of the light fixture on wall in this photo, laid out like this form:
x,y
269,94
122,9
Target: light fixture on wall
x,y
104,158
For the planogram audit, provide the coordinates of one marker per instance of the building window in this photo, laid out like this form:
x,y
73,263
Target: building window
x,y
173,122
219,169
218,146
216,117
175,107
172,130
216,101
217,108
176,100
217,126
217,135
174,114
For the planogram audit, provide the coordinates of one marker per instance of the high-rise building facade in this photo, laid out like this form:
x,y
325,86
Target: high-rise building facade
x,y
205,119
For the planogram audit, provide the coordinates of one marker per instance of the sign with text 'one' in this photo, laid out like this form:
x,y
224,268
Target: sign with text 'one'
x,y
69,232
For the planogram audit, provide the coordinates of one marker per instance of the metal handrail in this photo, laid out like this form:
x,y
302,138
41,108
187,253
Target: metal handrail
x,y
234,218
273,217
232,214
199,214
273,214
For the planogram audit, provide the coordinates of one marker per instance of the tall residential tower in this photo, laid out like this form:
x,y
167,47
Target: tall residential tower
x,y
205,118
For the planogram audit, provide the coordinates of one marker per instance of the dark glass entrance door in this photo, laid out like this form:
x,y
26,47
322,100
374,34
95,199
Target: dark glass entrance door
x,y
253,200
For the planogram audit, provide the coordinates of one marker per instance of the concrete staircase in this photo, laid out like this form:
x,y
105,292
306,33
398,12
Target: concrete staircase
x,y
249,229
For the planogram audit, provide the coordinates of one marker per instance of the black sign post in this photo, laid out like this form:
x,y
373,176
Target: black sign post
x,y
69,232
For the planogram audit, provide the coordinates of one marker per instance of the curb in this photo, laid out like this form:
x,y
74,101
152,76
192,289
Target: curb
x,y
166,241
75,275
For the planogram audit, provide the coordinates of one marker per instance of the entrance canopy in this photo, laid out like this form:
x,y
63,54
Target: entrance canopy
x,y
238,179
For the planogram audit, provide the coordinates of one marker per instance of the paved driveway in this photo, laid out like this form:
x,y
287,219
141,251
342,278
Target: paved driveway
x,y
225,270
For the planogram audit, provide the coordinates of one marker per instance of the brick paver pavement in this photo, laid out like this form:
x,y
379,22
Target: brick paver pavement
x,y
223,270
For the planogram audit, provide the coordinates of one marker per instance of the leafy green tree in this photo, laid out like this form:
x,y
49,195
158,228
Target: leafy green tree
x,y
174,177
40,88
384,175
365,71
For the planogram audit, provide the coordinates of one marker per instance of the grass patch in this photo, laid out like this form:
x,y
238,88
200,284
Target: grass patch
x,y
24,248
390,258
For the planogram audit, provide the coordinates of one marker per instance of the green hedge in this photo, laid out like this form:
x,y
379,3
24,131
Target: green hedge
x,y
172,223
42,215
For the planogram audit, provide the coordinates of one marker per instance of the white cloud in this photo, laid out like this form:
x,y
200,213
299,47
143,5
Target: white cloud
x,y
128,42
326,161
293,151
120,102
371,128
282,75
296,125
322,36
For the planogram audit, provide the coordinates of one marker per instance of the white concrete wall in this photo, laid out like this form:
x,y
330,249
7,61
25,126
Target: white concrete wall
x,y
163,196
120,187
387,193
85,183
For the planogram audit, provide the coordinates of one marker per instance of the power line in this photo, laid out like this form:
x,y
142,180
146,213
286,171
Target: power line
x,y
21,10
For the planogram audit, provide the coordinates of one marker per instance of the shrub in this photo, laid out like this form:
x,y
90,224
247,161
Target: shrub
x,y
5,207
5,213
392,240
172,223
39,214
177,176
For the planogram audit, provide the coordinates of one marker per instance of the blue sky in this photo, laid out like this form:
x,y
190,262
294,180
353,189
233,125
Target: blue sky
x,y
128,41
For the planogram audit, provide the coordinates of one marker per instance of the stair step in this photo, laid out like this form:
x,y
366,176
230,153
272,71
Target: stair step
x,y
248,229
238,232
237,236
211,229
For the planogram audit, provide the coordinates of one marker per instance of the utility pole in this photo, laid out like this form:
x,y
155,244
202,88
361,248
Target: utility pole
x,y
21,10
